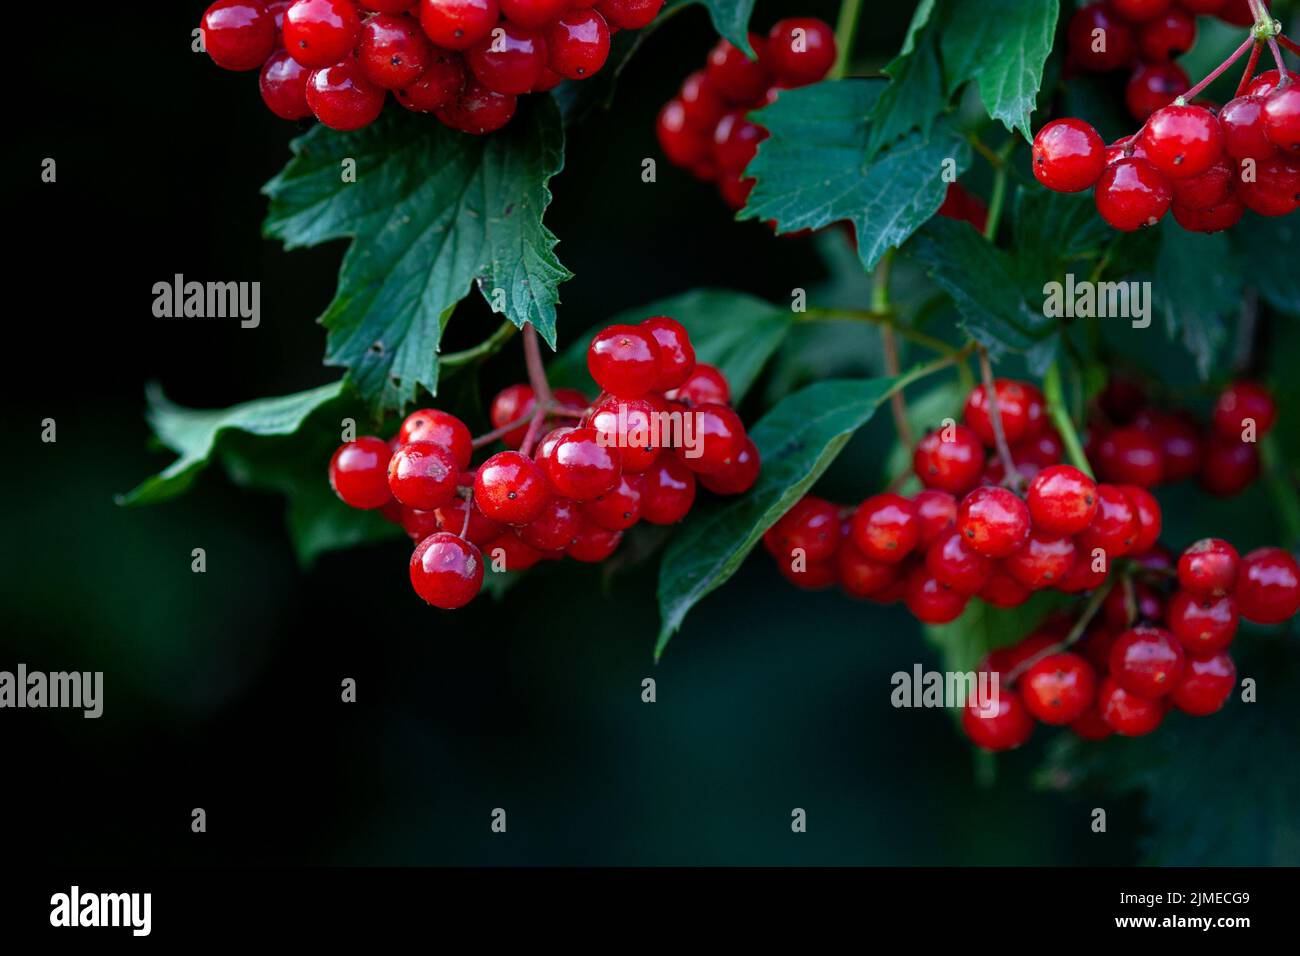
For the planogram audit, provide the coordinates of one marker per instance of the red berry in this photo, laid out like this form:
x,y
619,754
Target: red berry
x,y
388,6
1229,466
359,473
1059,689
705,385
1238,12
811,526
994,521
619,508
1209,567
458,24
958,566
634,426
320,33
507,553
446,571
1146,509
508,60
624,360
394,52
1275,190
1268,586
719,437
1131,194
343,99
684,145
1214,219
1182,141
1264,84
1205,685
669,491
701,103
1100,41
1154,86
1092,726
1044,559
238,34
735,142
629,14
1128,714
861,576
478,110
1146,661
592,543
1139,11
581,466
950,459
423,475
578,44
451,517
534,14
1005,729
1020,405
1115,528
936,512
440,86
1202,6
1002,590
1242,405
1180,444
930,600
799,50
1170,34
554,528
885,527
439,427
676,355
736,77
1130,455
1204,625
1069,156
1242,122
511,489
1123,609
284,86
739,476
1062,499
1086,573
1206,190
510,405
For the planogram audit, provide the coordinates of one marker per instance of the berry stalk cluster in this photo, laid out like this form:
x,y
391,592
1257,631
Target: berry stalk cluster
x,y
464,61
574,476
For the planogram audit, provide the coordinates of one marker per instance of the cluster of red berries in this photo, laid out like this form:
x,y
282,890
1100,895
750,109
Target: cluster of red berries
x,y
1132,442
1143,37
662,421
1148,651
704,129
1208,165
464,61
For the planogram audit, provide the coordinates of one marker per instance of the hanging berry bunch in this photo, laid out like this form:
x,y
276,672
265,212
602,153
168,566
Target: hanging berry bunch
x,y
1206,164
574,475
464,61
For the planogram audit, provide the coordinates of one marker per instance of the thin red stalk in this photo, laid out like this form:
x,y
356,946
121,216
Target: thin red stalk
x,y
1222,68
490,437
1250,69
1289,44
1012,475
1277,55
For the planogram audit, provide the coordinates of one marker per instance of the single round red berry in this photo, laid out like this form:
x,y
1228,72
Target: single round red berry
x,y
1114,528
739,476
440,86
394,52
592,544
1099,41
994,521
1217,218
683,144
1268,586
1275,190
619,508
624,360
1059,688
957,566
446,571
735,142
458,24
423,475
1264,84
635,427
509,553
511,404
885,527
861,576
1204,625
283,84
1150,519
1182,141
1020,406
343,99
1153,86
736,77
676,360
1206,685
441,428
1092,726
554,528
1130,455
930,600
578,44
628,14
1002,590
581,466
669,491
1206,190
1128,714
1069,156
1087,572
1131,194
812,527
1242,123
508,60
534,14
478,110
1282,119
1242,406
951,459
1209,567
719,437
703,106
1062,499
1146,661
320,33
238,34
1229,466
1006,728
799,50
359,472
511,489
936,513
705,385
1168,35
1044,559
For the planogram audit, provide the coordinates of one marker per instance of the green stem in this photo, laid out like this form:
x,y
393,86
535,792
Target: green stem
x,y
885,319
997,200
1080,627
845,30
485,349
1060,417
1282,489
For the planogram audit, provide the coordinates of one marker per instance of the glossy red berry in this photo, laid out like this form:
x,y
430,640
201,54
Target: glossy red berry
x,y
1168,35
1114,528
554,528
1150,520
458,24
1282,119
1044,559
1209,567
1264,84
320,33
719,437
705,385
423,475
1242,406
446,571
735,142
1008,725
736,77
1059,688
478,110
994,521
388,6
359,473
1225,215
343,99
860,576
1092,726
592,543
439,86
1204,625
1206,685
676,359
886,528
629,14
283,83
581,466
534,14
811,529
1206,190
1069,156
1268,586
578,44
619,508
683,144
511,489
512,403
1131,194
1182,141
740,475
624,360
1062,499
442,428
1242,123
508,60
1229,466
1154,86
930,600
669,492
799,50
1020,406
1099,41
1128,714
1275,189
1002,590
238,34
1130,456
950,459
394,52
957,566
936,513
1146,661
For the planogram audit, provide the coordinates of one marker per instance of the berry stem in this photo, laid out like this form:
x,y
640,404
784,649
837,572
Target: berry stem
x,y
1060,417
998,197
1289,44
1011,476
489,437
1090,610
889,342
886,319
485,349
1222,68
541,388
846,27
1251,64
1277,56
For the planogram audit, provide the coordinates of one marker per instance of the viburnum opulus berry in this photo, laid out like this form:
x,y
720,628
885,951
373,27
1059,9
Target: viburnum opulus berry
x,y
320,33
359,472
510,488
1059,688
1069,156
422,474
994,521
446,570
238,34
1268,586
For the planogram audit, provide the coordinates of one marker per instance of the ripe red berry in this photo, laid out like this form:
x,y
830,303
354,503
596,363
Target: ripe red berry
x,y
1130,455
676,354
1146,509
554,528
736,77
1005,729
1114,528
478,110
592,544
238,34
1264,84
1092,726
578,44
1088,571
1020,406
439,87
511,489
1153,86
394,52
446,571
386,6
359,473
283,83
951,459
1229,466
1002,590
1128,714
320,33
994,521
629,14
705,385
930,600
509,553
1209,567
619,508
885,527
1206,190
1131,194
861,576
1062,499
719,437
1182,141
535,14
508,60
799,50
1099,41
739,476
1170,34
1268,586
669,491
957,566
1242,405
1242,122
683,144
812,526
624,360
1275,190
458,24
1146,661
1069,156
441,428
1205,685
735,142
1282,119
343,99
1059,689
511,404
423,475
581,466
1044,559
936,513
1214,219
1204,625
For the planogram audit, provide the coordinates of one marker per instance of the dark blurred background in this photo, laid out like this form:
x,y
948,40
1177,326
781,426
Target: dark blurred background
x,y
222,689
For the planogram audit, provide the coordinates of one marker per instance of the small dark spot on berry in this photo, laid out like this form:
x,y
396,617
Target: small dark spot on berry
x,y
512,495
396,60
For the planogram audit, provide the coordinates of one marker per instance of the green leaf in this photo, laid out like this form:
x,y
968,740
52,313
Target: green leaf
x,y
732,330
432,211
1003,46
1269,244
916,94
1197,300
797,441
812,170
730,18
